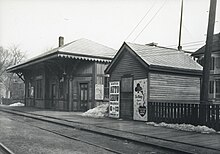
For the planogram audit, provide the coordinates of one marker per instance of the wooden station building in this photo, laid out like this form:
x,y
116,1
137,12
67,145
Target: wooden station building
x,y
70,77
149,73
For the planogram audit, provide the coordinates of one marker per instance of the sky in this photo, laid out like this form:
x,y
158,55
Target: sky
x,y
35,25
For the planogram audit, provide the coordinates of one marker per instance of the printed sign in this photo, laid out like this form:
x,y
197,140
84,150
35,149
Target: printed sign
x,y
99,91
114,99
140,100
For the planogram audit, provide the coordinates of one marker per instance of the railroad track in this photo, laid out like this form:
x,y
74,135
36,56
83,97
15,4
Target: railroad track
x,y
55,129
4,149
92,129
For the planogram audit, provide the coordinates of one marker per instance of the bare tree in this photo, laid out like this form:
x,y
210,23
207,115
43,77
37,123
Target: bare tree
x,y
9,57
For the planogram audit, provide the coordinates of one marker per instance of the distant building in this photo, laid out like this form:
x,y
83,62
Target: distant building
x,y
70,77
147,73
14,92
16,89
214,84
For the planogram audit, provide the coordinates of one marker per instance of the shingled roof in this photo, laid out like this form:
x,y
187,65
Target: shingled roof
x,y
83,49
215,46
160,57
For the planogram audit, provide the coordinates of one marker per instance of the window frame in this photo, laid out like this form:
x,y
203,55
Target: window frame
x,y
39,88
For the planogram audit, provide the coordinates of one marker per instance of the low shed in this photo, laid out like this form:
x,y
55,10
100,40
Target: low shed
x,y
148,73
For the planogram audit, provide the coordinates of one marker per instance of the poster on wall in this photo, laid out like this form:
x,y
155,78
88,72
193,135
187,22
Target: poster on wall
x,y
114,99
99,91
140,100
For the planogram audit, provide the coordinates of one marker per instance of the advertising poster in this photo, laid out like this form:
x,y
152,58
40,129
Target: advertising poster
x,y
99,91
140,100
114,99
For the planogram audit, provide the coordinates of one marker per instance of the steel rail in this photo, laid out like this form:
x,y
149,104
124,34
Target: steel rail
x,y
4,149
37,117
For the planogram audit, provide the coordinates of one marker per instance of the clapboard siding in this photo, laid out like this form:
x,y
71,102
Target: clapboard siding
x,y
128,64
165,87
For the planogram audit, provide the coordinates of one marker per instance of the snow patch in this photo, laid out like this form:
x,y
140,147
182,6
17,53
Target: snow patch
x,y
184,127
17,104
97,112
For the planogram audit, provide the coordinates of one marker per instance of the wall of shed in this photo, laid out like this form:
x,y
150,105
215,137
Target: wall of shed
x,y
128,65
127,69
171,87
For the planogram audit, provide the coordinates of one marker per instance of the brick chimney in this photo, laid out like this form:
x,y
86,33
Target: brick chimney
x,y
152,44
61,41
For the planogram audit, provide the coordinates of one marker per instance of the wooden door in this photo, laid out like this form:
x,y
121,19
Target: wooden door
x,y
53,95
126,101
83,96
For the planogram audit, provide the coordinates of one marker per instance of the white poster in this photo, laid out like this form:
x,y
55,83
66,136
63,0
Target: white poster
x,y
99,91
140,100
114,99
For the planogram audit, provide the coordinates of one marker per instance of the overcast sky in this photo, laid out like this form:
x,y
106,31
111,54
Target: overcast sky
x,y
35,25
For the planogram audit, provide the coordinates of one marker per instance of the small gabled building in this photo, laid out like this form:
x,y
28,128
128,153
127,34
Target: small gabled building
x,y
70,77
214,84
148,73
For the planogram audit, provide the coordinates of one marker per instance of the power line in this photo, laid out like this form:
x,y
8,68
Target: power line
x,y
196,42
140,21
151,19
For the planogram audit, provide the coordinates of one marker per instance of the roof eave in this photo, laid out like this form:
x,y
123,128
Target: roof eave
x,y
31,62
83,55
196,72
55,55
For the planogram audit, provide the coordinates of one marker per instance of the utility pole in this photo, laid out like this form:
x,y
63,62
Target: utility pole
x,y
180,30
204,93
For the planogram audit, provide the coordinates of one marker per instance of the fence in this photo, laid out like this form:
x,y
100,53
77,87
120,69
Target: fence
x,y
195,114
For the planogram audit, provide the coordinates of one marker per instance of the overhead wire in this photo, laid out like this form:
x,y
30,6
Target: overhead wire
x,y
140,21
150,20
190,43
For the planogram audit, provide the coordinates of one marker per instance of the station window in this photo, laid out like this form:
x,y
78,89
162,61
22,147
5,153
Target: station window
x,y
61,90
39,88
217,86
217,62
211,87
212,66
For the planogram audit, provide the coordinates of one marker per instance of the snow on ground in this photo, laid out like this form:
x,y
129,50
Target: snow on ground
x,y
184,127
97,112
17,104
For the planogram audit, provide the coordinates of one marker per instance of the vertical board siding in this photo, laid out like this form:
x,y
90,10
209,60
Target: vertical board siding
x,y
84,68
101,67
174,87
128,64
126,105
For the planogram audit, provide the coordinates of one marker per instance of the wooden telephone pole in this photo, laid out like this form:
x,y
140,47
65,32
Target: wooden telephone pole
x,y
180,30
204,93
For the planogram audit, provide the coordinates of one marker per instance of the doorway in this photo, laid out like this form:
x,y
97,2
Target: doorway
x,y
83,96
126,105
53,95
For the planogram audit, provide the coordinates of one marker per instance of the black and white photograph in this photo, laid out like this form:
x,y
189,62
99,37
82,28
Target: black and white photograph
x,y
109,77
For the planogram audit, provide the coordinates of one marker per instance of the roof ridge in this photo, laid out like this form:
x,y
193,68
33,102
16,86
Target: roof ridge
x,y
159,47
97,43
